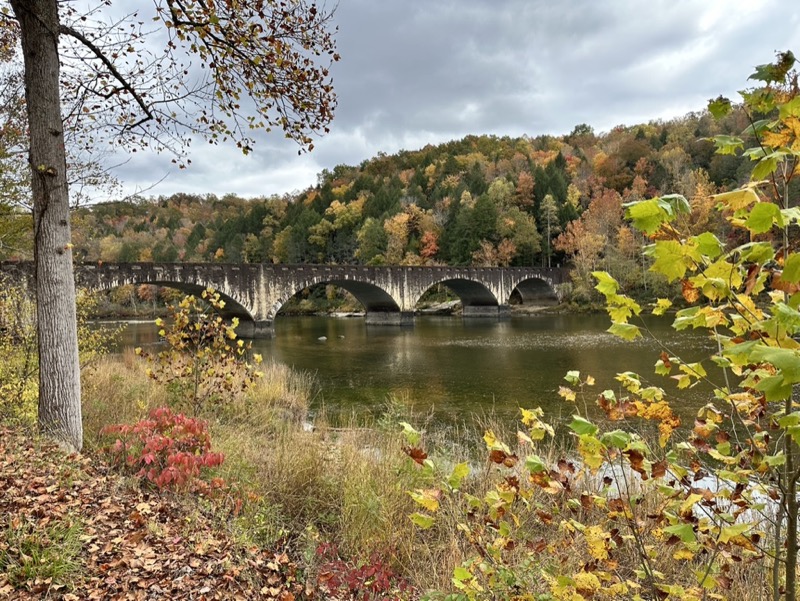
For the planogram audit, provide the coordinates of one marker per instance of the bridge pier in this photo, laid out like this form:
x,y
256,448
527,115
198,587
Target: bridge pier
x,y
255,329
389,318
482,311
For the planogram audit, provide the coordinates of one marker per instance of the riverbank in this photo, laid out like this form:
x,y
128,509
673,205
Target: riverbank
x,y
324,513
111,311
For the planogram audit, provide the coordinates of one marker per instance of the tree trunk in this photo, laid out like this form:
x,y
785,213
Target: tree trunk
x,y
59,370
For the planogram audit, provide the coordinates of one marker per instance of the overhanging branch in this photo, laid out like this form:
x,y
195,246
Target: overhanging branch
x,y
124,83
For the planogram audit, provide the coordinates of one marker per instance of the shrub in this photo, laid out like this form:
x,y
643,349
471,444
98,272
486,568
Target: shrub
x,y
372,580
629,517
204,365
168,449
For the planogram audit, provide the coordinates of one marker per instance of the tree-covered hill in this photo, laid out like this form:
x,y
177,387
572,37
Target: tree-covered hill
x,y
482,200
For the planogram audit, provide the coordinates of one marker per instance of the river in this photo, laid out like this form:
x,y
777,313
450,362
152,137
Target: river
x,y
452,368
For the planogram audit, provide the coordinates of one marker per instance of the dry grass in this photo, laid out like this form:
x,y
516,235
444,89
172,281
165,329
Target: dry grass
x,y
116,390
346,485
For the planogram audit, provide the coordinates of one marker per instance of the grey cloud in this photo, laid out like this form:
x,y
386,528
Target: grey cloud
x,y
415,72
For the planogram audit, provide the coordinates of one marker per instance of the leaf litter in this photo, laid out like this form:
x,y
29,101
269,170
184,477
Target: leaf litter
x,y
133,544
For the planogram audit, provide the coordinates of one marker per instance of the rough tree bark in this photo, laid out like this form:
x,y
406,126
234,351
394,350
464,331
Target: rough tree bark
x,y
59,370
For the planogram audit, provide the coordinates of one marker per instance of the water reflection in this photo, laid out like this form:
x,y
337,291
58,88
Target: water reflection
x,y
451,367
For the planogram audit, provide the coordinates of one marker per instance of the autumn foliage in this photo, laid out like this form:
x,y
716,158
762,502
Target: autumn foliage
x,y
70,530
643,507
168,450
371,580
204,365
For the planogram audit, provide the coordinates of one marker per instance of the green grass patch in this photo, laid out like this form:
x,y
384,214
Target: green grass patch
x,y
47,553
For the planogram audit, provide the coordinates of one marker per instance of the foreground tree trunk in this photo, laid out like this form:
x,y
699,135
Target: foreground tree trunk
x,y
59,370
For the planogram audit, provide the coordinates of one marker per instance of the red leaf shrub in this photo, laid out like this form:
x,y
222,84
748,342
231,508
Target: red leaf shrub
x,y
373,580
168,449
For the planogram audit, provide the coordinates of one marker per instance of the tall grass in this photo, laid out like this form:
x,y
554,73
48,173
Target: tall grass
x,y
302,484
349,485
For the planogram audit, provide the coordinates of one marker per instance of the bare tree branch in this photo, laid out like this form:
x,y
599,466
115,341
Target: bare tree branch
x,y
123,82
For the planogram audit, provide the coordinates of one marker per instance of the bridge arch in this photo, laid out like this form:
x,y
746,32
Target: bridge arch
x,y
472,293
533,290
233,306
373,298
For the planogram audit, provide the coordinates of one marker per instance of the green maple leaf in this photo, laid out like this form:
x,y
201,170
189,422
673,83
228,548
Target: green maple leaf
x,y
669,259
422,521
728,144
790,109
606,284
581,426
709,245
756,252
791,269
785,360
763,216
460,472
719,107
647,215
618,439
626,331
685,532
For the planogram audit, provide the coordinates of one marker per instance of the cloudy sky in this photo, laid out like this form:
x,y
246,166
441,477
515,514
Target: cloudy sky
x,y
414,72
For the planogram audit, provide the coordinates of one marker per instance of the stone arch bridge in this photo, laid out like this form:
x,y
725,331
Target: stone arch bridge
x,y
256,292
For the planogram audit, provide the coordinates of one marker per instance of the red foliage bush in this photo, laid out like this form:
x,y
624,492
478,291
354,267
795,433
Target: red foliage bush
x,y
168,449
374,580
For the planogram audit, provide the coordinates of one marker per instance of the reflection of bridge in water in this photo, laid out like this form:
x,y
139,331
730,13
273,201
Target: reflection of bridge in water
x,y
256,292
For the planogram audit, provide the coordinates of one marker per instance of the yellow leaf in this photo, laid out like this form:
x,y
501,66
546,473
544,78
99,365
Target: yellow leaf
x,y
596,540
566,393
427,498
493,444
738,199
690,502
662,304
530,416
587,584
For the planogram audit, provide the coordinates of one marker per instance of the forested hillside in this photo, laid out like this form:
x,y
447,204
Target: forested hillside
x,y
482,200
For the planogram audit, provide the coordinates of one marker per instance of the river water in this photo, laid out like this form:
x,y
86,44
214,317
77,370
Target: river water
x,y
452,368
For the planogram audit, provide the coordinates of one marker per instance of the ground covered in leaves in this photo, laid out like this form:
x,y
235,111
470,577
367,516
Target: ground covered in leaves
x,y
72,529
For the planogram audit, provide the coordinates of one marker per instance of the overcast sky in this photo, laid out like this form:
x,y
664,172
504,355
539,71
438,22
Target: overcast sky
x,y
414,72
